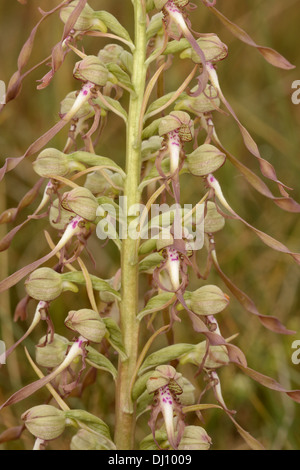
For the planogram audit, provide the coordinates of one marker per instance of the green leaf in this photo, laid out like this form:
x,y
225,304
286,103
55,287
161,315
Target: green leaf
x,y
97,360
152,129
114,25
159,102
116,105
161,438
165,166
140,385
155,304
143,402
92,422
95,160
150,262
147,246
155,26
165,355
151,146
127,61
107,204
174,47
114,337
120,75
98,284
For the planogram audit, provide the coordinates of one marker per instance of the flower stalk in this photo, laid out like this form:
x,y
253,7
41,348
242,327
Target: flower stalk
x,y
125,418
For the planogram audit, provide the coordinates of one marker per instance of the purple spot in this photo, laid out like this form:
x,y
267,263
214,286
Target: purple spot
x,y
85,92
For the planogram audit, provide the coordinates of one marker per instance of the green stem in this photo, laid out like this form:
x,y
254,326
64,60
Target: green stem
x,y
125,415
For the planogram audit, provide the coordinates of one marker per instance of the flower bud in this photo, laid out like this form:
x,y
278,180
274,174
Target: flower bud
x,y
177,121
86,440
51,162
195,438
205,159
213,221
82,202
45,422
58,216
208,300
68,102
111,54
87,323
52,354
98,184
151,146
87,20
91,69
44,284
216,358
213,49
204,103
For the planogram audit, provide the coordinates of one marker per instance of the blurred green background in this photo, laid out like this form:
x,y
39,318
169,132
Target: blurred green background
x,y
261,96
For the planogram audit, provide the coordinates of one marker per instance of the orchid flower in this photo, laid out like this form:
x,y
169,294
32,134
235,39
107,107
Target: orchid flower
x,y
166,385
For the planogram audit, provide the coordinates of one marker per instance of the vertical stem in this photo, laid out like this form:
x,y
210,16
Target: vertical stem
x,y
6,325
125,416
